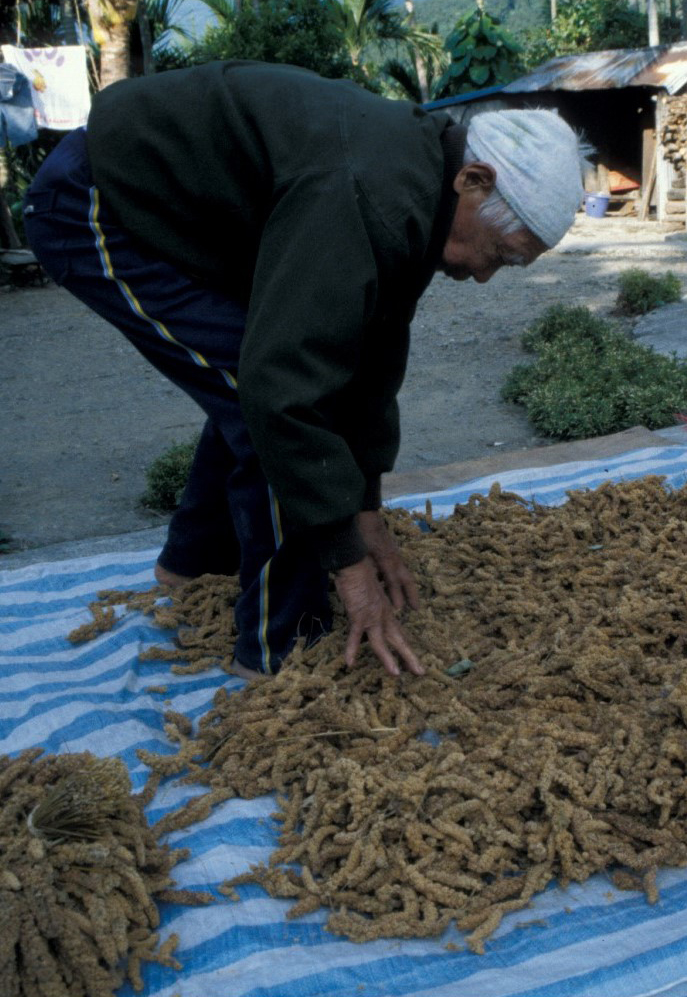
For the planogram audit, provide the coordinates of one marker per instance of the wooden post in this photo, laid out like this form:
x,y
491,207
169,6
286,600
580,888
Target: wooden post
x,y
603,181
664,170
648,189
648,149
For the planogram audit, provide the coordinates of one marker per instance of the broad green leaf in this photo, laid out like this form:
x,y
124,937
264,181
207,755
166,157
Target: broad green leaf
x,y
479,73
457,68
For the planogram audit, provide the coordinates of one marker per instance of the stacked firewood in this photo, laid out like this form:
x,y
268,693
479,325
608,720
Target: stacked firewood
x,y
675,132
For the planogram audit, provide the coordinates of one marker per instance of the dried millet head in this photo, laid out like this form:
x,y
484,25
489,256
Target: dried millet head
x,y
79,871
561,750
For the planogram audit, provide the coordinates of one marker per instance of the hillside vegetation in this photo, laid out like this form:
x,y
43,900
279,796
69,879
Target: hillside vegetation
x,y
516,15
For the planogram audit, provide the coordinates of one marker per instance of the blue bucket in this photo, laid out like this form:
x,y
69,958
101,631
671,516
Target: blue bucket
x,y
595,205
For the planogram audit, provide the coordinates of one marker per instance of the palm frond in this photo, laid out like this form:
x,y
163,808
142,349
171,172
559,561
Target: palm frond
x,y
222,9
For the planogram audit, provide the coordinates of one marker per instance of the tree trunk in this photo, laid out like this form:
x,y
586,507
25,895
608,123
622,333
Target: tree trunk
x,y
422,80
652,14
147,40
110,24
114,55
554,10
418,61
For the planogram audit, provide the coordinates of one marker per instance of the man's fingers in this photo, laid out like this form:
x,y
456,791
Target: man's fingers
x,y
383,640
379,646
352,645
412,593
400,583
405,652
395,593
371,613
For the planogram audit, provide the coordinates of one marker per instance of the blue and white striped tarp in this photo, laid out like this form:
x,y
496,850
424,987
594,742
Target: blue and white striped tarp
x,y
588,941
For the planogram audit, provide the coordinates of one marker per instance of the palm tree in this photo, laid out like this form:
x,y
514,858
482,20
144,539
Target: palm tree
x,y
366,25
363,23
111,22
425,60
223,9
157,25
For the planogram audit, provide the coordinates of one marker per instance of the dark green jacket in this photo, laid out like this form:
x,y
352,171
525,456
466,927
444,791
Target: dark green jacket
x,y
323,209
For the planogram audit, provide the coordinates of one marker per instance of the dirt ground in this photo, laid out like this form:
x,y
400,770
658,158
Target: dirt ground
x,y
84,416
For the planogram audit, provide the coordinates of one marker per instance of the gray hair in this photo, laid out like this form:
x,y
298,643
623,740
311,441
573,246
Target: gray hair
x,y
494,209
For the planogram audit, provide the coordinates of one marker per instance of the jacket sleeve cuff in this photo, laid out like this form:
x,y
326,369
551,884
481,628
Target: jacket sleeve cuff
x,y
372,499
340,544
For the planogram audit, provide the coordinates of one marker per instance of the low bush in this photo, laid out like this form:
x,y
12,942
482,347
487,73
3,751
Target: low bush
x,y
640,292
591,379
167,477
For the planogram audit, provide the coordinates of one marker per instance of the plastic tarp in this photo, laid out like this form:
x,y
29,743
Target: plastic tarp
x,y
589,940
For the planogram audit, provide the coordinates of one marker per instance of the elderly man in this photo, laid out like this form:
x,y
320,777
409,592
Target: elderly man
x,y
262,236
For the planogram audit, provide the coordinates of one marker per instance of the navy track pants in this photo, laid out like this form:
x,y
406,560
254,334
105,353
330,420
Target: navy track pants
x,y
229,519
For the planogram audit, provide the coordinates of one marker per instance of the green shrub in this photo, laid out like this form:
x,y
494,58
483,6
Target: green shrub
x,y
640,291
569,323
167,477
591,379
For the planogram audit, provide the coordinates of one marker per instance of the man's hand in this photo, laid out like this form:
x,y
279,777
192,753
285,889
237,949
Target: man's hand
x,y
368,607
382,548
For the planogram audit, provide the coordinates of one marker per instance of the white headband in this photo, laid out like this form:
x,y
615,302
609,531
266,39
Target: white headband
x,y
536,156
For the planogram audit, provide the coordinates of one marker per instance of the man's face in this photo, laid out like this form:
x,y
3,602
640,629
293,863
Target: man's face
x,y
474,248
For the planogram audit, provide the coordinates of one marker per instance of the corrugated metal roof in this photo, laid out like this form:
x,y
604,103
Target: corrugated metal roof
x,y
661,66
669,72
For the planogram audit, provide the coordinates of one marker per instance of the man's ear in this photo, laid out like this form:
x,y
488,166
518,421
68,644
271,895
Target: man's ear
x,y
475,177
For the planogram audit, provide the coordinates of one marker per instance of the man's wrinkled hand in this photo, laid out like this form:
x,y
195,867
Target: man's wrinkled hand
x,y
383,550
371,614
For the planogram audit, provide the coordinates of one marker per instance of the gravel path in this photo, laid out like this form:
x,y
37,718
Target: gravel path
x,y
83,415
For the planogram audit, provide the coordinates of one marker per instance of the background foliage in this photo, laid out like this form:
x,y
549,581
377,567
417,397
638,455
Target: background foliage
x,y
482,54
590,25
301,32
422,50
416,49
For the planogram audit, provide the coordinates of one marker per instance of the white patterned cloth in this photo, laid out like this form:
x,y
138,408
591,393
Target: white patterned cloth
x,y
537,161
59,83
589,940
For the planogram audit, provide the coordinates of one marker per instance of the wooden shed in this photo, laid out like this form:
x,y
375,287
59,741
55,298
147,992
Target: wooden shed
x,y
629,103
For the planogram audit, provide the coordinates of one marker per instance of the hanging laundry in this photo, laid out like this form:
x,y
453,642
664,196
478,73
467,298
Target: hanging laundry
x,y
59,83
17,117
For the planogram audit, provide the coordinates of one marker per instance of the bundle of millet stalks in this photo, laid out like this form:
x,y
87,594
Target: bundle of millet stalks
x,y
547,740
80,871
